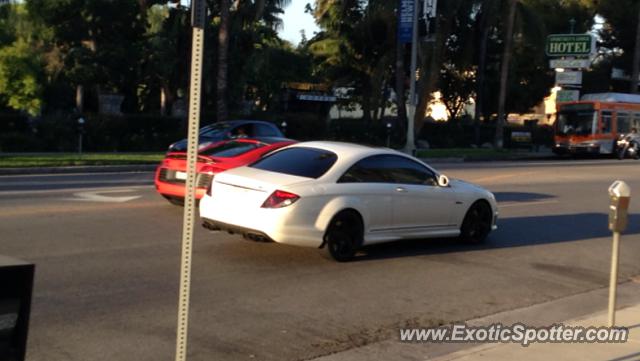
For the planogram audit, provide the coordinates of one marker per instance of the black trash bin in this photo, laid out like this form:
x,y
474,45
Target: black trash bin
x,y
16,286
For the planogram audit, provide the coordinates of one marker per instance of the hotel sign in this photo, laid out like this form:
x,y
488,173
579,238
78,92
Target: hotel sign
x,y
570,45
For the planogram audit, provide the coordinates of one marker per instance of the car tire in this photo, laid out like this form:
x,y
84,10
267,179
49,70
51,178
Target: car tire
x,y
343,237
176,201
477,223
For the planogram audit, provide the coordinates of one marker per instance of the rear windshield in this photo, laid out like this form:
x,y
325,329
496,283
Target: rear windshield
x,y
230,149
298,161
214,128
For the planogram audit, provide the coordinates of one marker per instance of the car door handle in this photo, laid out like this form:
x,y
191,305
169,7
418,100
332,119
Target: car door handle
x,y
401,189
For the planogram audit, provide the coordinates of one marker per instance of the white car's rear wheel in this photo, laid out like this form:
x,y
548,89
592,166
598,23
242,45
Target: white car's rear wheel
x,y
343,236
477,223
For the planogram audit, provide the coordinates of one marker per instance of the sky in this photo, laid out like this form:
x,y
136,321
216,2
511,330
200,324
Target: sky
x,y
295,19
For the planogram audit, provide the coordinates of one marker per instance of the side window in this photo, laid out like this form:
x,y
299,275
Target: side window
x,y
388,169
406,171
605,127
262,130
242,131
624,122
636,121
367,170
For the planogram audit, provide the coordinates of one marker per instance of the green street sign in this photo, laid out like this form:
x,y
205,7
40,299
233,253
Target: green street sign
x,y
570,44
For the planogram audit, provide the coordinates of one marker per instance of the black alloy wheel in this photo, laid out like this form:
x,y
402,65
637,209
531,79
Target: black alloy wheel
x,y
477,223
343,236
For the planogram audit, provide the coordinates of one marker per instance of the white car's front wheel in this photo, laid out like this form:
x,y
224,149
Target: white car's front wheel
x,y
477,223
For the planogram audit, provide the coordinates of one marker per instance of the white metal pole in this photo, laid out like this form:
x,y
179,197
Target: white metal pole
x,y
613,281
411,107
198,9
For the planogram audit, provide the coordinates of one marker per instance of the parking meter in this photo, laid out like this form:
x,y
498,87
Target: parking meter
x,y
619,195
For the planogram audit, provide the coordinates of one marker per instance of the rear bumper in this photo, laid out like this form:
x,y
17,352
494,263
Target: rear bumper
x,y
247,233
576,149
282,225
177,190
167,184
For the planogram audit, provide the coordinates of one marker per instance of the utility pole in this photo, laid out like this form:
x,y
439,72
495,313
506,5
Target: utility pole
x,y
410,146
198,16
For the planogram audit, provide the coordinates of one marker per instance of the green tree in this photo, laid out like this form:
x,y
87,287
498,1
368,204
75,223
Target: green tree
x,y
356,49
21,77
98,41
619,36
22,52
243,21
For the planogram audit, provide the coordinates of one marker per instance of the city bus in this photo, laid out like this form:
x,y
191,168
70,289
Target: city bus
x,y
593,124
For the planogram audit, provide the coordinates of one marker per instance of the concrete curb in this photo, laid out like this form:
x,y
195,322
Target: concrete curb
x,y
80,169
152,167
488,159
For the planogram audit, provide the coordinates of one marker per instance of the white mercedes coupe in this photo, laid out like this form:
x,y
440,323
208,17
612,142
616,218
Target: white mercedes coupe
x,y
340,196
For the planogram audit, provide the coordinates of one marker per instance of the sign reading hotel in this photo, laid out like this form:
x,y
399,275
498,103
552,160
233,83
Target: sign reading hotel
x,y
570,45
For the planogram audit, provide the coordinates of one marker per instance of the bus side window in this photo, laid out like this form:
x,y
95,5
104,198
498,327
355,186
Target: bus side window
x,y
624,123
635,123
606,121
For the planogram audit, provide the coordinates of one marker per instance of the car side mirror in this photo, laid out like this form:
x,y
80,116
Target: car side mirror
x,y
443,180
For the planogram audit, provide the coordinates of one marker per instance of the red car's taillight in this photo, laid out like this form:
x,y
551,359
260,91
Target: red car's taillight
x,y
279,199
209,169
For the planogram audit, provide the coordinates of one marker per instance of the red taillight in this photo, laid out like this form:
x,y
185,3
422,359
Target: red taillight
x,y
209,169
279,199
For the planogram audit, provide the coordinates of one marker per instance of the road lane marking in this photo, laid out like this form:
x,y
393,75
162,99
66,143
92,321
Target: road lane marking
x,y
519,204
100,197
503,176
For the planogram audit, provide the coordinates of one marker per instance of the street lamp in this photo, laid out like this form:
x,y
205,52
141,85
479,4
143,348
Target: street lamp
x,y
80,131
389,134
283,125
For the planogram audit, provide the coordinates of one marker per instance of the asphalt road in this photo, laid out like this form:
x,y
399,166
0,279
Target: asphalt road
x,y
107,250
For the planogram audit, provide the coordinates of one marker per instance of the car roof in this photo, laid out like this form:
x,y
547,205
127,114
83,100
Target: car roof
x,y
348,153
238,122
343,148
265,140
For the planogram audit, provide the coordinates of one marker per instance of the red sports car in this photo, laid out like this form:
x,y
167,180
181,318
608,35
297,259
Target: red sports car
x,y
171,173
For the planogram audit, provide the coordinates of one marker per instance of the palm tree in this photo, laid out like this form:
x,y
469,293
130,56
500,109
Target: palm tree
x,y
263,10
636,59
504,72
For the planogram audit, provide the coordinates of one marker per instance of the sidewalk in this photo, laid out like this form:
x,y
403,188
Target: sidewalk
x,y
628,317
585,309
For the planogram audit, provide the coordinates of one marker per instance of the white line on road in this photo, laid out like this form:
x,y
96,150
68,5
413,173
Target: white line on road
x,y
519,204
99,197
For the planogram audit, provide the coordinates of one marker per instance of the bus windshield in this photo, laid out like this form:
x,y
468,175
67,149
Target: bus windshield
x,y
576,122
